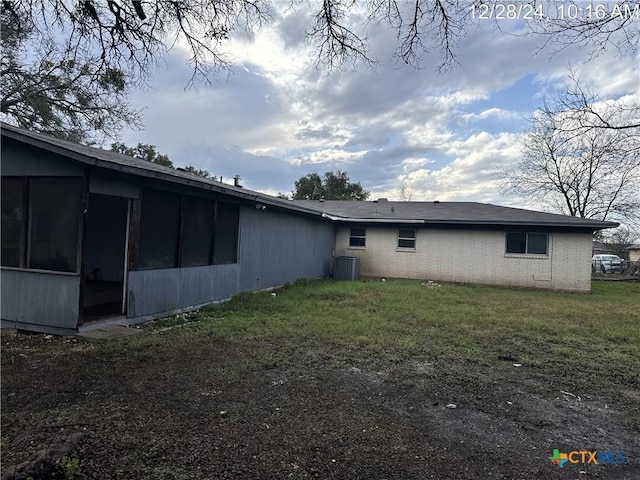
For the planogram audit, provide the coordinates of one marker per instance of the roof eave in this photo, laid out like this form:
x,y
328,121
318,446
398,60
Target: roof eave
x,y
590,225
170,176
337,218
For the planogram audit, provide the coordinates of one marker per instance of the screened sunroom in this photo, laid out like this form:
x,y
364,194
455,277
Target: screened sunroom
x,y
92,236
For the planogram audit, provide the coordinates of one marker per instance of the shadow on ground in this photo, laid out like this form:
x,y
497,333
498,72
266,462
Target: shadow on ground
x,y
274,410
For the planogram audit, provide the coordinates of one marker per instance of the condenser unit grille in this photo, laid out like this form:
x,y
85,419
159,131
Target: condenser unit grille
x,y
346,268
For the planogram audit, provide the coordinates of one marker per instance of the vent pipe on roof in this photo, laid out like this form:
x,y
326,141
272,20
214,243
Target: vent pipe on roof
x,y
236,181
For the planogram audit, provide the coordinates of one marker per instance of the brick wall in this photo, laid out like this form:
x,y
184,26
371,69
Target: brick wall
x,y
473,256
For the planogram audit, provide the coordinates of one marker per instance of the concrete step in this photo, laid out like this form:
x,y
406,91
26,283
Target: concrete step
x,y
108,332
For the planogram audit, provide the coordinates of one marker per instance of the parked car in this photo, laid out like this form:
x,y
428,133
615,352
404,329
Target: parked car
x,y
607,263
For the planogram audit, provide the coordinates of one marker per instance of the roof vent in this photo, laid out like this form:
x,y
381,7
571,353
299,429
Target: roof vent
x,y
236,181
381,199
436,201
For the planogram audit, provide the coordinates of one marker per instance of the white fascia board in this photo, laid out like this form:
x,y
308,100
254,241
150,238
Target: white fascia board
x,y
369,220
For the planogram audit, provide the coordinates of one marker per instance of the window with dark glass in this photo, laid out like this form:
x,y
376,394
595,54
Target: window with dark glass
x,y
527,243
225,246
159,229
357,237
13,222
53,216
516,242
537,243
197,232
48,208
406,238
184,231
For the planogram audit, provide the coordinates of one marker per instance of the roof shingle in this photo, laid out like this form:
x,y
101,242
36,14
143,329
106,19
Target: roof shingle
x,y
433,213
449,213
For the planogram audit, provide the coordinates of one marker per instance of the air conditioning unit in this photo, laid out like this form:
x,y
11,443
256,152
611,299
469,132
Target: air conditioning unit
x,y
346,268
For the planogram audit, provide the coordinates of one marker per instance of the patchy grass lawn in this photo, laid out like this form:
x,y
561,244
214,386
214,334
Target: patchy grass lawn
x,y
324,379
594,336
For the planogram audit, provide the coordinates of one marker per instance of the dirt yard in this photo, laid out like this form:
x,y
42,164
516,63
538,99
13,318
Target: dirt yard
x,y
218,409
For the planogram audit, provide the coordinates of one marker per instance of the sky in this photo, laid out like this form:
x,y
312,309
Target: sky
x,y
434,136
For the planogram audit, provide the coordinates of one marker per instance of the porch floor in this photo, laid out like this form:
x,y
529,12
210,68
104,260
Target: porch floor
x,y
102,298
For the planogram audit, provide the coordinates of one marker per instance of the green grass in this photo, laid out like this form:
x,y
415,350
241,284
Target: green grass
x,y
593,337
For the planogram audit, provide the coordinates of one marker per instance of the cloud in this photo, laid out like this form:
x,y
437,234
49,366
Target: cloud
x,y
444,136
258,172
491,113
411,164
472,175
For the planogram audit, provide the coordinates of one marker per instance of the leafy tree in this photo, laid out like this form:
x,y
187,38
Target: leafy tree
x,y
582,157
149,153
333,186
46,90
196,171
144,152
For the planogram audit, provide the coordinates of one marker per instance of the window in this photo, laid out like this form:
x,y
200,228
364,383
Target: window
x,y
225,247
183,231
527,243
159,229
197,232
55,205
50,216
13,222
407,238
357,237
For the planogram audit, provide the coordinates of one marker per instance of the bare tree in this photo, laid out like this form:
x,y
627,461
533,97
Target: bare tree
x,y
90,42
133,35
405,193
618,240
582,110
337,42
582,157
424,25
599,26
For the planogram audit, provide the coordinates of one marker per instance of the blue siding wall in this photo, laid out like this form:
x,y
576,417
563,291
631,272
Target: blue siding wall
x,y
43,298
110,183
24,160
167,290
276,248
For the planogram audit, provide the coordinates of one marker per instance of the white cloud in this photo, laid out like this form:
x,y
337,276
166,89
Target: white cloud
x,y
472,175
443,136
329,156
411,164
497,113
